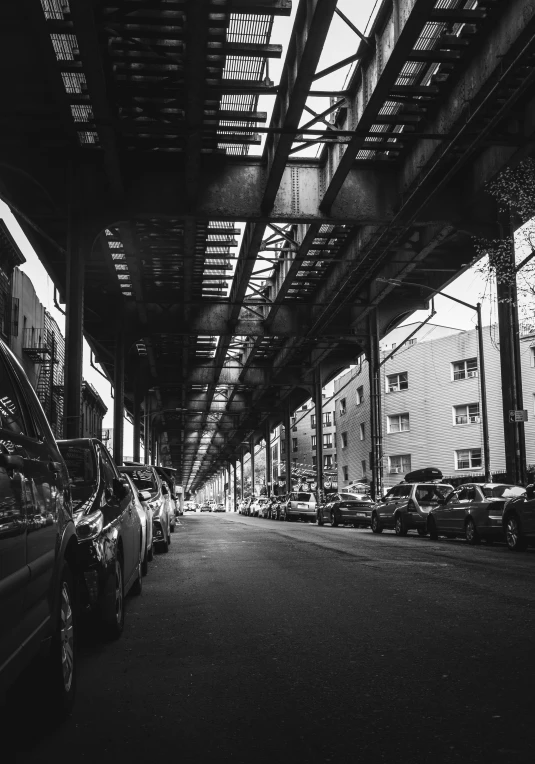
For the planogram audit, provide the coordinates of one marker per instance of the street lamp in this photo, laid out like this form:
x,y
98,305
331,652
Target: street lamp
x,y
484,412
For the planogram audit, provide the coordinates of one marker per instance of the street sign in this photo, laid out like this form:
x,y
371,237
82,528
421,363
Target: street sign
x,y
518,416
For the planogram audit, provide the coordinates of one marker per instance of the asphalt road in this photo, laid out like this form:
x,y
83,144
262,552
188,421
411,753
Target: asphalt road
x,y
256,641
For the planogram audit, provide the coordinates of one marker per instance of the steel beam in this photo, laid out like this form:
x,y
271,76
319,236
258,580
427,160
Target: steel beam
x,y
118,401
74,333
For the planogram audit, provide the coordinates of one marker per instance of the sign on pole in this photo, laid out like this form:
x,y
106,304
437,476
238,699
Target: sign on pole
x,y
518,416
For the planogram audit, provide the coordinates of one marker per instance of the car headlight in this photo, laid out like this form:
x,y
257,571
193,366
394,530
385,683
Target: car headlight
x,y
89,526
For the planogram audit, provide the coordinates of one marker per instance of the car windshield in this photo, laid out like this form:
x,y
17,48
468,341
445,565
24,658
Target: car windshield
x,y
430,492
143,478
503,491
304,497
81,465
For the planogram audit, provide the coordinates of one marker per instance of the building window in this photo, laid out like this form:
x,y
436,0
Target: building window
x,y
468,459
412,341
343,438
328,461
467,414
314,441
314,461
345,473
465,369
360,395
342,406
327,419
294,423
294,444
363,468
399,464
312,420
283,446
327,440
362,431
397,382
532,355
398,423
304,407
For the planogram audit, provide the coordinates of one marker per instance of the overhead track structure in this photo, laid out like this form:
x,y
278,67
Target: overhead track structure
x,y
127,127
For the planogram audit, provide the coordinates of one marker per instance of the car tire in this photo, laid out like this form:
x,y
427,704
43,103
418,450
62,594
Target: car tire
x,y
61,665
422,531
375,524
335,519
319,519
513,534
112,611
137,586
287,517
164,545
400,526
471,534
150,553
432,529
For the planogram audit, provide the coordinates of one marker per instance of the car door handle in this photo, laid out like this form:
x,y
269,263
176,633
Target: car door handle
x,y
12,462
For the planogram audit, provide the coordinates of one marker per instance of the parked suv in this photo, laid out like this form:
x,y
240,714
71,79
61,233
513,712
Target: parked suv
x,y
38,545
300,504
406,506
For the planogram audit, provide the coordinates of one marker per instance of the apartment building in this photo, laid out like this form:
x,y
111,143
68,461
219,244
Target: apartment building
x,y
303,437
431,406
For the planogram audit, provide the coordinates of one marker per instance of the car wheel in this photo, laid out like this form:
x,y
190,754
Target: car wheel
x,y
399,526
335,519
164,545
287,517
513,534
422,531
137,586
320,519
471,534
61,668
113,604
376,525
432,529
150,553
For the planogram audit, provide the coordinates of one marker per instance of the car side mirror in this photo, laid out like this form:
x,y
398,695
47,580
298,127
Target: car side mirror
x,y
119,488
530,491
145,495
165,490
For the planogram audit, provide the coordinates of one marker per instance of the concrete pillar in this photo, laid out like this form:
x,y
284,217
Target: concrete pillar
x,y
242,481
235,507
510,363
288,445
74,335
318,400
137,424
118,401
376,422
268,458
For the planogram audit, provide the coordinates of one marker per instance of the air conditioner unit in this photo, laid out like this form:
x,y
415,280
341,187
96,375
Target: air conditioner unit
x,y
475,419
471,373
394,470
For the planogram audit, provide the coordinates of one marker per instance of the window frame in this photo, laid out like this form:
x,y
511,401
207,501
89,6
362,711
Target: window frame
x,y
467,416
360,395
467,373
400,470
398,386
470,465
391,417
343,439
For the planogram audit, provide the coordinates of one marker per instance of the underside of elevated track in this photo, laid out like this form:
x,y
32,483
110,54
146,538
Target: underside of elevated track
x,y
218,288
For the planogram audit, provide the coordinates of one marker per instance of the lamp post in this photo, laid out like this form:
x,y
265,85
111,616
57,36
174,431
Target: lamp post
x,y
483,383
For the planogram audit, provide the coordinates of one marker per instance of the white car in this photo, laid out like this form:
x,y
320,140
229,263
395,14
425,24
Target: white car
x,y
144,510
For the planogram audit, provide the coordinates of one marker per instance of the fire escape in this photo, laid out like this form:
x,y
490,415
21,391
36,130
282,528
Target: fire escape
x,y
45,347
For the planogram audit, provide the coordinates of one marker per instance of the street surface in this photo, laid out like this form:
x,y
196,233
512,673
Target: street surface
x,y
257,641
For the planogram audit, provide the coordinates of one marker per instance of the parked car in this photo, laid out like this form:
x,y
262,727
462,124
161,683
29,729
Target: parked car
x,y
38,544
220,508
206,508
406,507
190,506
264,505
245,506
519,520
108,529
474,511
147,481
340,508
144,510
300,505
274,509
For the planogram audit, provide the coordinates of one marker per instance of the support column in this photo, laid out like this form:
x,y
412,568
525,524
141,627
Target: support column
x,y
269,477
242,481
118,401
146,431
376,422
510,363
288,445
252,465
235,507
137,424
74,335
318,401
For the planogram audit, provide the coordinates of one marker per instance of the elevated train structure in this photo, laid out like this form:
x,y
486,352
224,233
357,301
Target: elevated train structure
x,y
125,127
